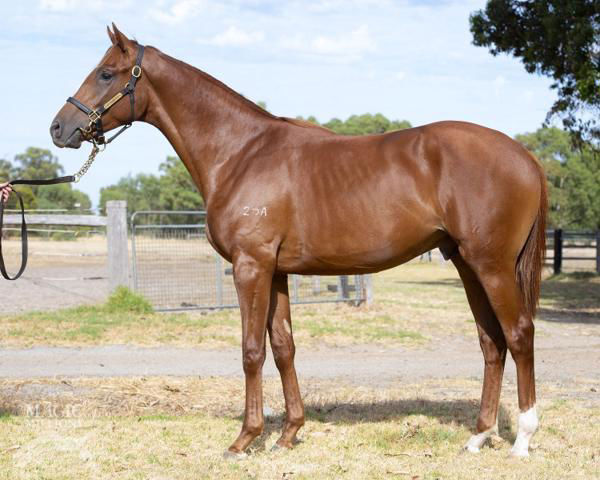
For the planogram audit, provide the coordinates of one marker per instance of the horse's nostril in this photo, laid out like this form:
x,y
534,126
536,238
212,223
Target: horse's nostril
x,y
55,129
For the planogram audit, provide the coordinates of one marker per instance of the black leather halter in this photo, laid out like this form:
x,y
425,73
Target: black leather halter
x,y
94,132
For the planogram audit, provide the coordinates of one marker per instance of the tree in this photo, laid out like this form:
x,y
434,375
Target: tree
x,y
38,163
6,170
573,178
173,190
141,192
556,38
362,124
178,190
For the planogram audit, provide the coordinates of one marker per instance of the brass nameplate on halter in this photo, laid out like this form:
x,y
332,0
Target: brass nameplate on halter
x,y
113,100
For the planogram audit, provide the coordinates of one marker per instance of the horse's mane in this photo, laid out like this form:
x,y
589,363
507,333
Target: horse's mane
x,y
304,123
230,91
216,82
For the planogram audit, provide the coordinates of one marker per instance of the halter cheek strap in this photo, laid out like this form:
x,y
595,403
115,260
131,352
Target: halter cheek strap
x,y
95,130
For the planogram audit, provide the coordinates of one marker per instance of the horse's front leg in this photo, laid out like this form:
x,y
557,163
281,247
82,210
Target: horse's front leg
x,y
253,278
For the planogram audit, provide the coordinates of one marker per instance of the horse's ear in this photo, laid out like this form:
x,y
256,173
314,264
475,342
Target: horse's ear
x,y
120,39
111,35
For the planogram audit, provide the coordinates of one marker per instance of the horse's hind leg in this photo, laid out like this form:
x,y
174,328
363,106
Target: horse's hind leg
x,y
493,346
282,344
500,283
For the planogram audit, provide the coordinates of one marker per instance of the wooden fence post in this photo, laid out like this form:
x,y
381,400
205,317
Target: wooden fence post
x,y
558,248
345,287
118,249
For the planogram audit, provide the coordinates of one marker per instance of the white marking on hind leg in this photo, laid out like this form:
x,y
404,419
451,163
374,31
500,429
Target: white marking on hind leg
x,y
476,441
528,424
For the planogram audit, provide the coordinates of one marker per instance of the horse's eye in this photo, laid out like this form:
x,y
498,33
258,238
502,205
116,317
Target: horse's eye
x,y
106,75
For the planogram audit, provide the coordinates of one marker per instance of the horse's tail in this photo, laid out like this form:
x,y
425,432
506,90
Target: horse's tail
x,y
531,259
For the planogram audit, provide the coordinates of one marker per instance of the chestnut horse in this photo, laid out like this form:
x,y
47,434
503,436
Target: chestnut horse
x,y
283,196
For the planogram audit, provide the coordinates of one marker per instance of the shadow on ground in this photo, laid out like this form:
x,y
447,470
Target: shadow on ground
x,y
571,298
565,298
461,412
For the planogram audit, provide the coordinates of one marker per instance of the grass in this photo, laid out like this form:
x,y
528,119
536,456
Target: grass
x,y
177,428
413,304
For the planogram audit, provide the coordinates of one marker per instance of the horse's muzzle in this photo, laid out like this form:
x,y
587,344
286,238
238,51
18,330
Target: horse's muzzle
x,y
58,131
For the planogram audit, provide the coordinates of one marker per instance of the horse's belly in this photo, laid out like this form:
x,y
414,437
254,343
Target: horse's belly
x,y
357,248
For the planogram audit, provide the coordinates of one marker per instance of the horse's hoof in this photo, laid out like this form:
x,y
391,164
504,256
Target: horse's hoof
x,y
518,453
471,449
236,456
279,447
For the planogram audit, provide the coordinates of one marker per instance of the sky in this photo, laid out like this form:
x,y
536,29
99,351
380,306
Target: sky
x,y
410,60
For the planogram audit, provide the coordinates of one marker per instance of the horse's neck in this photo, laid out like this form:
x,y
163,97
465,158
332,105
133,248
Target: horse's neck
x,y
206,124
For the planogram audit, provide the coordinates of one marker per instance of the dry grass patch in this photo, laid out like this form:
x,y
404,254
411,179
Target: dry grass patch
x,y
177,428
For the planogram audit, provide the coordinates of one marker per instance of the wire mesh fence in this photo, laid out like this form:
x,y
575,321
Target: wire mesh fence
x,y
175,267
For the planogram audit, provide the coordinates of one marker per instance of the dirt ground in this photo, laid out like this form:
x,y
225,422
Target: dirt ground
x,y
562,356
58,275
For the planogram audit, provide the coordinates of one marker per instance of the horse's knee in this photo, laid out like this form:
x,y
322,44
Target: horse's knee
x,y
254,358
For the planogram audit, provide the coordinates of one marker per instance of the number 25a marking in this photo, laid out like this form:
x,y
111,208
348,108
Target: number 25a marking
x,y
256,211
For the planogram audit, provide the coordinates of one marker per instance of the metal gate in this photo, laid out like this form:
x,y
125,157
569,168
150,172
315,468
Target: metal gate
x,y
175,267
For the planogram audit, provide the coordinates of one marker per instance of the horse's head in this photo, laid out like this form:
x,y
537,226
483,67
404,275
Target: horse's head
x,y
101,102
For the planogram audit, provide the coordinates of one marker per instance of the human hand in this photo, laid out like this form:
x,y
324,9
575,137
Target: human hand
x,y
5,191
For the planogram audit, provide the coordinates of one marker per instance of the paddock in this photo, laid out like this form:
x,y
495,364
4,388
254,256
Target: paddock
x,y
408,421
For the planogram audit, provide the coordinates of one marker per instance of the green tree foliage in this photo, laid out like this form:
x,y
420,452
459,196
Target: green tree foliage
x,y
573,178
142,192
6,170
556,38
38,163
173,190
365,124
178,190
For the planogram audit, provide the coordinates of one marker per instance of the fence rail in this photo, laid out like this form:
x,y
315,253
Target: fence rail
x,y
175,267
68,220
572,247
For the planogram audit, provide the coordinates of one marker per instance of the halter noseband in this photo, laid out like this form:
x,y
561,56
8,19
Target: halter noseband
x,y
94,132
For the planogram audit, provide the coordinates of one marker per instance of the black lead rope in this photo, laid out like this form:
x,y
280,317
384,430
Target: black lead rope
x,y
24,249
